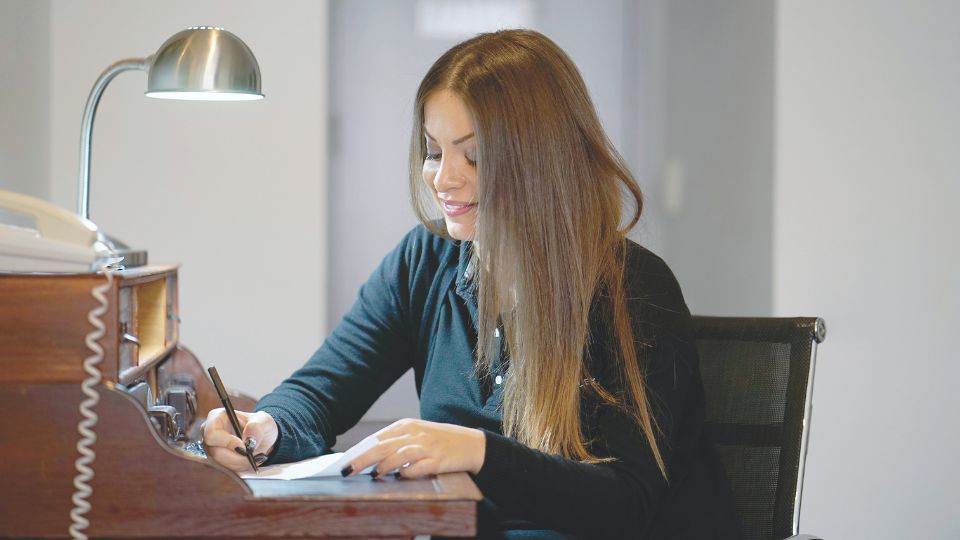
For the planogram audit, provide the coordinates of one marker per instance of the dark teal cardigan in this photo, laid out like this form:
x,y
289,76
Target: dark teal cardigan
x,y
417,310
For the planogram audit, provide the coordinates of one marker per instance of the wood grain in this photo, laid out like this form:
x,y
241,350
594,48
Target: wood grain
x,y
143,486
44,320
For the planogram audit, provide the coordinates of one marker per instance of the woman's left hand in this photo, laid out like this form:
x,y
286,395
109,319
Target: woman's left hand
x,y
419,448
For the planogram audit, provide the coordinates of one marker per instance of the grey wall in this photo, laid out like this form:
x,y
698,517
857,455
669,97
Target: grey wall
x,y
377,61
867,190
24,106
716,183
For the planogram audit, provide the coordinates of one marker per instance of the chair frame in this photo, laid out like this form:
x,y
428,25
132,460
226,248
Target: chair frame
x,y
817,333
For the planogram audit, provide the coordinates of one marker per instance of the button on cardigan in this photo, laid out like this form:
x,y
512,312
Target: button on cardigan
x,y
418,311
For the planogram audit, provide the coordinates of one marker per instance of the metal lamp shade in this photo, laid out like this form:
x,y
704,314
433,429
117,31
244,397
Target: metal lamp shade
x,y
204,63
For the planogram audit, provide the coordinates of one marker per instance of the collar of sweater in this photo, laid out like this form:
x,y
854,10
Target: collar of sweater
x,y
466,285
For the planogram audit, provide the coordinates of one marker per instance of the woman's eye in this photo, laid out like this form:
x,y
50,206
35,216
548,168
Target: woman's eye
x,y
436,156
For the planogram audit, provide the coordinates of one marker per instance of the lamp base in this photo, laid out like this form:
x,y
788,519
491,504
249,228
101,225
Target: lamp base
x,y
131,257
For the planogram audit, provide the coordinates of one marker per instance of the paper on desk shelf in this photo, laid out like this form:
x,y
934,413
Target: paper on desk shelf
x,y
325,465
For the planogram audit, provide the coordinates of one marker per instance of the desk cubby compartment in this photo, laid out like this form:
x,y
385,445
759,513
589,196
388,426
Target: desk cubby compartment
x,y
147,317
46,321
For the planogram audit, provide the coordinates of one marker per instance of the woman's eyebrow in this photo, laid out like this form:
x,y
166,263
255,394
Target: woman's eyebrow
x,y
457,141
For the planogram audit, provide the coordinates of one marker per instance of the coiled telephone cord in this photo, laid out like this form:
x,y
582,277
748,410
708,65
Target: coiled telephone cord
x,y
89,388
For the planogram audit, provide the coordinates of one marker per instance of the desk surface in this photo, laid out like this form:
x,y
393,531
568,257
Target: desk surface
x,y
145,489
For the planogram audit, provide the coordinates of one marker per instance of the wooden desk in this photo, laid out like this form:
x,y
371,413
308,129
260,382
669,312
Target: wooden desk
x,y
145,485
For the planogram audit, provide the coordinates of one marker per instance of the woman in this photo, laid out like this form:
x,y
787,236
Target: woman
x,y
553,357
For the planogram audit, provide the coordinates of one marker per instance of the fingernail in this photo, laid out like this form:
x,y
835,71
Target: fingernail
x,y
397,475
251,443
346,470
259,459
240,451
374,473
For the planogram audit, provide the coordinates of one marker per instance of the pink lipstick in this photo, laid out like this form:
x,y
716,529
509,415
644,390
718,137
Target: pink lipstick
x,y
456,208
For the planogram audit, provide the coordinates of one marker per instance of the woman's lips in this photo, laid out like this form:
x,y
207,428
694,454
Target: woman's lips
x,y
456,208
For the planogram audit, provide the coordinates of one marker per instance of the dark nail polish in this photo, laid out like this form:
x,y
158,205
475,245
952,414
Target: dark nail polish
x,y
374,473
397,475
240,451
346,470
259,459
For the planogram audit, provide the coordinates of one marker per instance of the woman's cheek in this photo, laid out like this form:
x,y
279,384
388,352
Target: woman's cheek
x,y
429,173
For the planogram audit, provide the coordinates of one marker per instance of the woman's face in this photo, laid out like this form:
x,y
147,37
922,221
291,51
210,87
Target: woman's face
x,y
450,168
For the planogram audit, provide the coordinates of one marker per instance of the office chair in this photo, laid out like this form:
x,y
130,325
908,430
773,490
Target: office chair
x,y
758,382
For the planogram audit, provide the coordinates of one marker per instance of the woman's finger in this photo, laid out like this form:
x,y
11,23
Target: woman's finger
x,y
229,459
216,436
261,429
374,455
216,427
400,427
409,453
418,469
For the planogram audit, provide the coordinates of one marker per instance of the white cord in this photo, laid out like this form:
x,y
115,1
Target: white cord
x,y
87,436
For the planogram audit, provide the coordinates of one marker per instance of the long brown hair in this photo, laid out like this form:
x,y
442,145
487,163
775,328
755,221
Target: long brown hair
x,y
548,238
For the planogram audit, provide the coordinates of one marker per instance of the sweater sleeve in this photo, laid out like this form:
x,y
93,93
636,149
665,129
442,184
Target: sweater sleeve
x,y
366,353
616,499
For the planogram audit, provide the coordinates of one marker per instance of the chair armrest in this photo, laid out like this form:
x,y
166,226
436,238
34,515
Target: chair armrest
x,y
803,537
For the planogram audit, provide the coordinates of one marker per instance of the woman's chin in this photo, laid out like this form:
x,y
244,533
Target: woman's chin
x,y
459,231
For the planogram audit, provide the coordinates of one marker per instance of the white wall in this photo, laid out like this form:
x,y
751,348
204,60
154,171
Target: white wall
x,y
866,223
234,192
25,82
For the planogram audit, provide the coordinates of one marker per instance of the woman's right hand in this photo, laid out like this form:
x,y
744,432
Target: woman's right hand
x,y
224,447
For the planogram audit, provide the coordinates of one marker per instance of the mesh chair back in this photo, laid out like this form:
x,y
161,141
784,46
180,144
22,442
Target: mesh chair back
x,y
756,376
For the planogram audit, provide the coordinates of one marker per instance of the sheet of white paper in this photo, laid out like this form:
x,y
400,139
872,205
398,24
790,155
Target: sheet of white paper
x,y
326,465
350,455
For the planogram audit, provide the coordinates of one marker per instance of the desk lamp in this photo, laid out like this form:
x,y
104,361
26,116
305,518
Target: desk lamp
x,y
199,63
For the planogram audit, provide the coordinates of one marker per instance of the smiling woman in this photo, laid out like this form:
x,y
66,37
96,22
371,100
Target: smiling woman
x,y
553,357
450,163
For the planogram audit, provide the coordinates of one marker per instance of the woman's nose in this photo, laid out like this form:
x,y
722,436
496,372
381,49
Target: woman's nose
x,y
448,176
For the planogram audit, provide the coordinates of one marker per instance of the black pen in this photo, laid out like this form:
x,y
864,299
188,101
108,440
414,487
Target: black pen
x,y
225,399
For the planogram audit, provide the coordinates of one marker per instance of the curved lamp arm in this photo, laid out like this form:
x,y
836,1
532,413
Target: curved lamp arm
x,y
201,62
86,128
